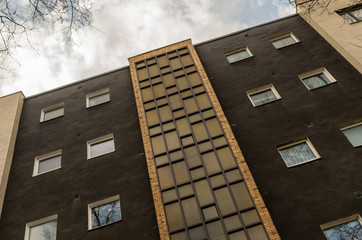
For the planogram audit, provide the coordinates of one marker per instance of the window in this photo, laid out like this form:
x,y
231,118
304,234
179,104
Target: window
x,y
284,40
97,98
47,162
100,146
42,229
354,134
349,228
238,55
263,95
104,212
351,14
317,78
297,153
52,112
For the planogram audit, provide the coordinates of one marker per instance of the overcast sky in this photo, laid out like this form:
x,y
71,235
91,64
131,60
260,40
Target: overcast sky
x,y
130,27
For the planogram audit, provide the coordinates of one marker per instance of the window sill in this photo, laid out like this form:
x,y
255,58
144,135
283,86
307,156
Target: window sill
x,y
298,164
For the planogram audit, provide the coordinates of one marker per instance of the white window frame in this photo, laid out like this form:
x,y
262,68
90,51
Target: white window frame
x,y
341,221
49,109
95,94
262,89
39,222
44,157
97,140
349,11
351,126
306,140
245,48
289,34
99,203
315,72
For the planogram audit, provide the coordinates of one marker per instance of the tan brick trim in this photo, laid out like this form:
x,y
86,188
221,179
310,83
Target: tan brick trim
x,y
156,192
259,203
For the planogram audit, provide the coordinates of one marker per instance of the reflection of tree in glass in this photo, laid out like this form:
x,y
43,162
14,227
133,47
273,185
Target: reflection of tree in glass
x,y
263,97
316,81
49,231
348,231
106,214
297,153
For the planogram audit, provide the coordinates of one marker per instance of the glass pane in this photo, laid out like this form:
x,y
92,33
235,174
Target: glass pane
x,y
179,73
187,141
179,113
234,57
191,211
152,117
140,64
49,164
165,113
241,195
175,101
226,158
185,191
210,213
155,130
182,83
347,231
144,84
190,69
99,99
175,63
257,232
215,230
199,131
250,217
190,105
221,141
169,196
161,160
106,214
233,175
181,173
176,156
142,74
172,141
197,173
165,176
174,217
165,70
282,42
224,200
162,61
168,80
183,127
192,157
357,13
158,145
194,118
186,60
153,70
217,181
45,231
151,61
168,126
208,113
149,105
203,101
159,91
197,233
194,79
238,236
348,18
147,94
211,163
214,127
101,148
297,154
171,90
186,94
263,97
354,135
53,113
199,89
205,146
316,81
232,222
161,101
179,236
203,193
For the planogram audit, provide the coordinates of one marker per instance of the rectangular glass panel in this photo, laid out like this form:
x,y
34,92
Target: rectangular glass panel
x,y
171,90
350,230
185,191
264,97
53,113
147,94
250,217
233,175
175,101
179,236
194,118
165,70
144,84
203,193
354,135
181,173
190,105
96,100
224,200
101,148
49,164
182,83
226,158
199,131
168,126
192,157
158,145
142,74
211,163
175,63
197,173
186,94
208,113
172,141
165,176
197,233
238,56
161,160
217,181
298,153
149,105
257,232
186,60
232,222
215,230
168,80
203,101
190,69
153,70
179,73
214,127
316,81
162,61
191,211
174,217
238,236
155,130
176,156
210,213
242,196
165,113
106,214
194,79
169,195
183,127
179,113
205,146
221,141
44,231
159,91
156,80
187,141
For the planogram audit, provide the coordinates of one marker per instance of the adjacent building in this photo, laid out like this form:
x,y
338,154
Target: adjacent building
x,y
253,135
